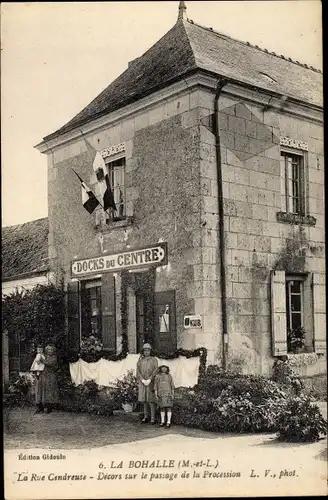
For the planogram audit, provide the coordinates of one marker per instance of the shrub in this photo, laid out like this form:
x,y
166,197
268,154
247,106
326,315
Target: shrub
x,y
301,421
230,412
126,390
35,316
283,373
86,398
19,391
259,388
231,402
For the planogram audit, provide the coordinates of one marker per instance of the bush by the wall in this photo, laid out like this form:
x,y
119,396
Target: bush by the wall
x,y
301,421
126,390
231,402
230,412
86,398
284,374
259,388
35,316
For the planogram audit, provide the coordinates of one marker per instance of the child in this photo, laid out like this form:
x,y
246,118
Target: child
x,y
38,363
164,390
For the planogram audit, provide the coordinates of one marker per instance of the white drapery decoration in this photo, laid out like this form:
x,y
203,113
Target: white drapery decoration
x,y
105,373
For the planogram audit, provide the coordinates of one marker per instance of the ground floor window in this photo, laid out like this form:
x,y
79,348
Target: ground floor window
x,y
296,333
91,308
297,312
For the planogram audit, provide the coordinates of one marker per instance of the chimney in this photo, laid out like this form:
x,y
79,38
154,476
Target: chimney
x,y
182,11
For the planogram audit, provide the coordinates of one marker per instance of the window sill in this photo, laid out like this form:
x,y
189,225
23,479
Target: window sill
x,y
289,218
302,359
115,224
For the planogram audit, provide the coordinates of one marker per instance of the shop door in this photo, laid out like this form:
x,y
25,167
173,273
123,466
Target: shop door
x,y
165,334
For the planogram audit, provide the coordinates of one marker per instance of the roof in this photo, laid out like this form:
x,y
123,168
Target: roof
x,y
25,249
189,47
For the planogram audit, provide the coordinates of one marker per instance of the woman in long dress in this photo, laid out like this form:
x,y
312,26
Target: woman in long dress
x,y
146,370
46,388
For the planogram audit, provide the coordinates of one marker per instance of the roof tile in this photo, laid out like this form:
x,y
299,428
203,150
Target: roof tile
x,y
25,248
188,47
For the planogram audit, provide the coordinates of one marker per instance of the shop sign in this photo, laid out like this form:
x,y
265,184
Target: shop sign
x,y
294,143
154,255
113,150
193,321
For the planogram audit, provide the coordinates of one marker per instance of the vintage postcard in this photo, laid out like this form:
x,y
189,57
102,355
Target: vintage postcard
x,y
163,249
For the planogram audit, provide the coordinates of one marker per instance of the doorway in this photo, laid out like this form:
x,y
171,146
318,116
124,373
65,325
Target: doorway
x,y
156,320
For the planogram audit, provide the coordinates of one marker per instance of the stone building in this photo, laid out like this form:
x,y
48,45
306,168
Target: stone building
x,y
214,149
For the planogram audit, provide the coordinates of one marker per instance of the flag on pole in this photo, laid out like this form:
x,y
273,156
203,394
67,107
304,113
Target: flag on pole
x,y
89,201
100,169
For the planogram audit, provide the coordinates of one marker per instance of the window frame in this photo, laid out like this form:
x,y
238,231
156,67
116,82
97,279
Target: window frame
x,y
87,285
289,312
110,170
302,180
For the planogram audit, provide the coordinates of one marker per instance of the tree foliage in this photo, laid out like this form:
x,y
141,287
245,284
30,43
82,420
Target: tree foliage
x,y
35,316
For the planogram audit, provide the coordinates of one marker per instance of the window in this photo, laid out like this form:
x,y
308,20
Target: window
x,y
294,306
91,309
116,176
294,302
297,313
293,185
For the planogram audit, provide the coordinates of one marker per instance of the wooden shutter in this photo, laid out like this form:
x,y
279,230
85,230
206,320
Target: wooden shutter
x,y
319,313
108,311
278,313
73,314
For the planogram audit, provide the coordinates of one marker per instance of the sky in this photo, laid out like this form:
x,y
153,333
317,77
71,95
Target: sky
x,y
57,57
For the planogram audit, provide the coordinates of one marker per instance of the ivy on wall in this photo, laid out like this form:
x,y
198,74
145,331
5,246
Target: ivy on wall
x,y
35,316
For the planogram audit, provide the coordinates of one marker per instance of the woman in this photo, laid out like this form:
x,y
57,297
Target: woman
x,y
46,388
146,370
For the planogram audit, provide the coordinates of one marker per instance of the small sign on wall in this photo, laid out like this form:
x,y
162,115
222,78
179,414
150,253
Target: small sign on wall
x,y
193,321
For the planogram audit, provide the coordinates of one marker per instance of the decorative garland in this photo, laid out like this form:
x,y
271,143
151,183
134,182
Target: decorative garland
x,y
124,312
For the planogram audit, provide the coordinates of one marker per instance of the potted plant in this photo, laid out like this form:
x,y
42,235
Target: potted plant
x,y
296,339
126,392
90,345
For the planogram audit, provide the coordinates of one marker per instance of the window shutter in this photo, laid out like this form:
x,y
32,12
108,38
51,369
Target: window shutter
x,y
319,313
108,311
278,313
73,314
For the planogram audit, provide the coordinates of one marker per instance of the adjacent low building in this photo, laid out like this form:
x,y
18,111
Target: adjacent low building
x,y
214,151
24,265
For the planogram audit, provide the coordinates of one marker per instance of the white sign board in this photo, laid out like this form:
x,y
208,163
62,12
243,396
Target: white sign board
x,y
193,321
154,255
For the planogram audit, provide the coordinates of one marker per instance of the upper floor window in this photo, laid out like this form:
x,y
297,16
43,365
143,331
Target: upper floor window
x,y
293,180
116,171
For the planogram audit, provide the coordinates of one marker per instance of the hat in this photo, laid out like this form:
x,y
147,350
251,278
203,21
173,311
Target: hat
x,y
146,346
168,369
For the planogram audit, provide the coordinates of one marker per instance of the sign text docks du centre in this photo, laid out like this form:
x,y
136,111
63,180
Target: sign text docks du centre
x,y
154,255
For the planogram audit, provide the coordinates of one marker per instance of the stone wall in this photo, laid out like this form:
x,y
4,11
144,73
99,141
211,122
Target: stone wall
x,y
256,242
163,195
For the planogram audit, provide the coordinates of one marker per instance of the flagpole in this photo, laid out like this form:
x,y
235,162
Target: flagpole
x,y
106,211
81,180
